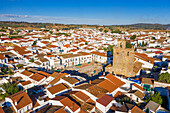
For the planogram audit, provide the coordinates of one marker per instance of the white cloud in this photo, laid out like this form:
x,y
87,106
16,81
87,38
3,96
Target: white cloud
x,y
49,19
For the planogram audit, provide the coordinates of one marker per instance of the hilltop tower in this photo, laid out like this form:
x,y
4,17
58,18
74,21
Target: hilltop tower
x,y
123,59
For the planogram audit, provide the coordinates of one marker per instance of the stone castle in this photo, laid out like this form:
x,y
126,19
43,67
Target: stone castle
x,y
123,60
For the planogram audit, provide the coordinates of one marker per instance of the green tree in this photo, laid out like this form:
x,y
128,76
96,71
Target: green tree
x,y
133,37
110,48
105,49
164,77
19,65
4,70
116,31
10,88
128,44
156,97
143,44
35,42
10,72
100,29
31,60
86,43
105,31
51,32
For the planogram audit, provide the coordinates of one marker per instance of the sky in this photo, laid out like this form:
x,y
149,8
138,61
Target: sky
x,y
98,12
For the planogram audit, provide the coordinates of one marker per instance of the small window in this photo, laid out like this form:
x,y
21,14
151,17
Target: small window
x,y
127,53
117,53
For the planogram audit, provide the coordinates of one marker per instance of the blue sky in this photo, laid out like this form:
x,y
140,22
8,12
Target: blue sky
x,y
108,12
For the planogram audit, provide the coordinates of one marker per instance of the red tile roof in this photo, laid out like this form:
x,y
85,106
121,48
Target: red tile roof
x,y
139,87
37,77
57,88
115,80
72,105
21,98
105,100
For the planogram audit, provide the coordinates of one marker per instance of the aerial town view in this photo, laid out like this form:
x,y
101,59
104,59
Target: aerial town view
x,y
89,56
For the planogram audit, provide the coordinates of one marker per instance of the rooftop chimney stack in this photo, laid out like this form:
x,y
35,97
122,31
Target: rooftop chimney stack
x,y
15,102
89,81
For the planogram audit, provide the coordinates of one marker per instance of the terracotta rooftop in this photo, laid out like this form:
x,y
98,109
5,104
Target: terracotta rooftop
x,y
144,57
72,105
2,57
97,91
82,96
98,53
136,110
149,81
26,83
105,100
137,93
61,110
109,86
26,73
1,110
44,73
139,87
37,77
70,80
125,107
57,88
21,98
115,80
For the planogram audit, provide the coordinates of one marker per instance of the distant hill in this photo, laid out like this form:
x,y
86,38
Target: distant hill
x,y
147,26
75,26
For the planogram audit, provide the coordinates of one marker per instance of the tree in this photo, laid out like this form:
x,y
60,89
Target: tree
x,y
105,49
19,65
4,70
51,32
116,31
143,44
86,43
128,44
156,97
10,88
133,37
31,60
110,48
164,77
100,29
105,31
10,72
35,42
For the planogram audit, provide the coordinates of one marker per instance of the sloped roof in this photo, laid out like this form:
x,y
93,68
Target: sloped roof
x,y
136,110
37,77
105,100
71,104
109,86
70,80
26,73
21,98
139,87
57,88
152,106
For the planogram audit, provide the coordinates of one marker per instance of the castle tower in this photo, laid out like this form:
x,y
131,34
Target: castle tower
x,y
123,59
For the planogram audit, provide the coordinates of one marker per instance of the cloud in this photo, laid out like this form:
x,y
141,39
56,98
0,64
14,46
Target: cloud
x,y
14,16
49,19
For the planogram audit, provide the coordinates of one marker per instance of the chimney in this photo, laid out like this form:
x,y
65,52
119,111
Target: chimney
x,y
89,81
15,102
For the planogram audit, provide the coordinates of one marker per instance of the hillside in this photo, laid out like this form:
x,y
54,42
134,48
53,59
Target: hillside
x,y
141,26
